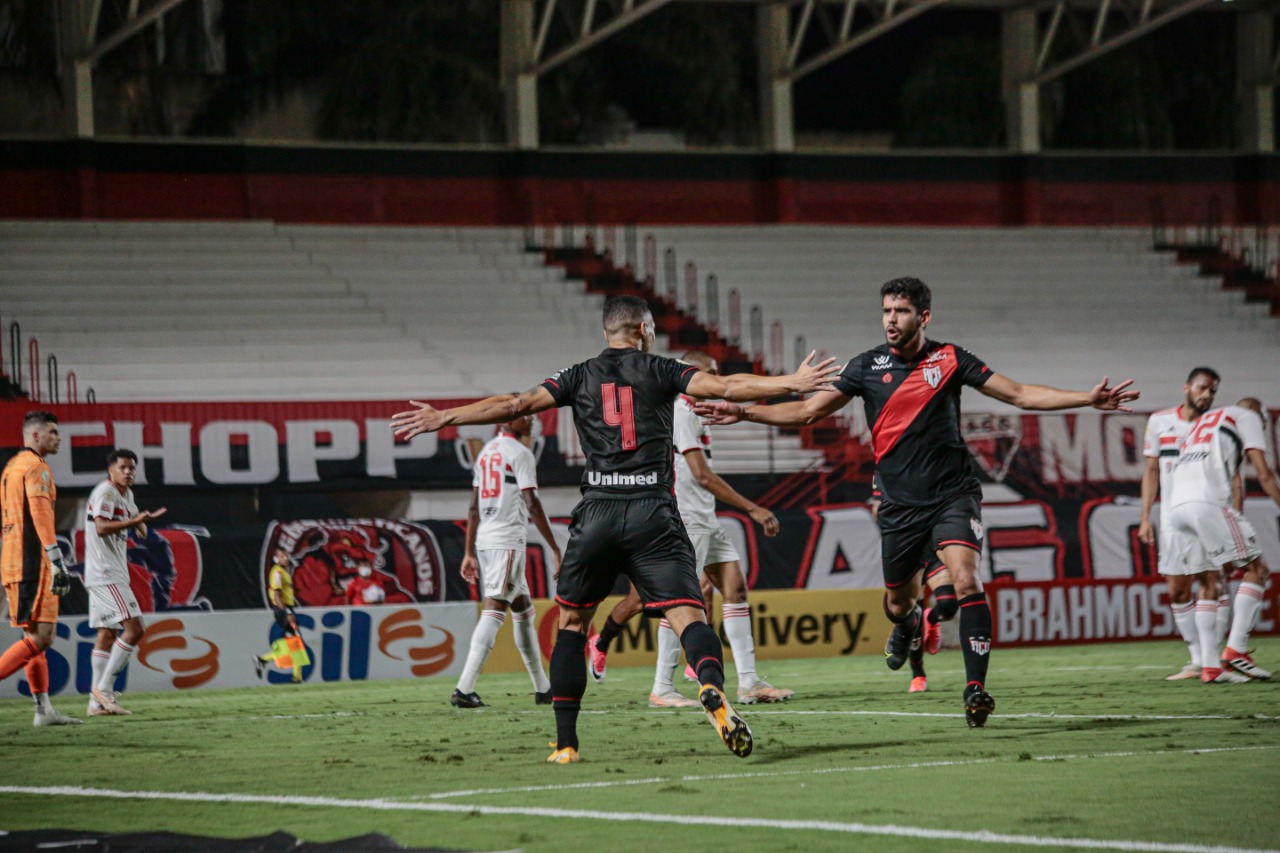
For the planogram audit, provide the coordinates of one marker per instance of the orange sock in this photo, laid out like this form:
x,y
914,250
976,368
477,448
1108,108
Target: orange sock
x,y
16,657
38,674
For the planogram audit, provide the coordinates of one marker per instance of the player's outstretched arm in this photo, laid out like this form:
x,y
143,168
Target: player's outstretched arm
x,y
745,387
1042,398
498,409
794,414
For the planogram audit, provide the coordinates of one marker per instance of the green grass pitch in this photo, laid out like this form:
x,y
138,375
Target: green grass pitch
x,y
1089,747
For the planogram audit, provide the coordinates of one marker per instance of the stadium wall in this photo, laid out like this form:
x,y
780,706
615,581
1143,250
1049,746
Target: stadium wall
x,y
70,179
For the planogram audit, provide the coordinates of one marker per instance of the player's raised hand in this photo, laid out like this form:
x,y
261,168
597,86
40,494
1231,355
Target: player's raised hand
x,y
1112,399
718,412
150,514
416,422
810,377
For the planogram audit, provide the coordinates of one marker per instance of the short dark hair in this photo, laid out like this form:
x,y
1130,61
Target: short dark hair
x,y
38,418
121,453
1205,371
622,312
913,290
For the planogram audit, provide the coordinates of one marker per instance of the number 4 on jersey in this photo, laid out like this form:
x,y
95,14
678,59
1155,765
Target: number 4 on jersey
x,y
619,411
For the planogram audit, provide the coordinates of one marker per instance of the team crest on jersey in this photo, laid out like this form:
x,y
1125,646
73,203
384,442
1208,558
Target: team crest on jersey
x,y
980,646
993,441
933,375
881,362
976,527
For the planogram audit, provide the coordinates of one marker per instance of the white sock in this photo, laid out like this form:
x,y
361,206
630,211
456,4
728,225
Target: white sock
x,y
522,625
42,703
120,654
98,661
737,627
668,658
1184,616
1248,604
1207,625
1224,615
482,640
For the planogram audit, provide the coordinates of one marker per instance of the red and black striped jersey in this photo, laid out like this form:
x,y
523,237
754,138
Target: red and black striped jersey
x,y
913,410
622,404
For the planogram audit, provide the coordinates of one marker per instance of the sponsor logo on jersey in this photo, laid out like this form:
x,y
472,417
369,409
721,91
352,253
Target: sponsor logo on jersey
x,y
881,362
600,478
936,355
933,375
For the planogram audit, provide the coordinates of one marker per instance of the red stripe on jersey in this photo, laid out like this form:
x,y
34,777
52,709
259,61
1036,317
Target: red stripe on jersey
x,y
1169,439
906,404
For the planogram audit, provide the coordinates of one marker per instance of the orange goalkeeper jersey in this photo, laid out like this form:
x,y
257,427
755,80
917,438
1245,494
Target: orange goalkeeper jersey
x,y
27,494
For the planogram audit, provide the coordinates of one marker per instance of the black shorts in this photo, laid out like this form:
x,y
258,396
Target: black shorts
x,y
910,535
284,618
642,538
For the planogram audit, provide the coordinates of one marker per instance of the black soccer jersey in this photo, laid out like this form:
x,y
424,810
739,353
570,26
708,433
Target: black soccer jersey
x,y
913,410
622,408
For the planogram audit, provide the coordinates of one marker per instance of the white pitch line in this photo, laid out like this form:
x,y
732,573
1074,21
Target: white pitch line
x,y
824,771
1027,716
850,828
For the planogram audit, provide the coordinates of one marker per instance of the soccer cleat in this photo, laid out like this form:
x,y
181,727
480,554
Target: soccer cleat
x,y
672,699
54,717
259,666
899,644
542,698
1217,675
932,634
107,702
1189,670
732,729
689,674
466,700
762,692
1242,662
596,659
568,755
978,705
919,684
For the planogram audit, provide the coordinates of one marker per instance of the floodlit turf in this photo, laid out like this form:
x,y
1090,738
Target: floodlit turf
x,y
1087,743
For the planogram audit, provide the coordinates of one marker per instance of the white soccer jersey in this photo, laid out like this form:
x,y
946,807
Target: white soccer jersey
x,y
697,505
1163,440
106,557
1212,454
504,468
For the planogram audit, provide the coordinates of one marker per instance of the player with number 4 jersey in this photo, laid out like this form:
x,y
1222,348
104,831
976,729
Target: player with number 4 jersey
x,y
627,522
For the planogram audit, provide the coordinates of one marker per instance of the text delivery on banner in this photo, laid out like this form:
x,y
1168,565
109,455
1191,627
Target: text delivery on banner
x,y
191,649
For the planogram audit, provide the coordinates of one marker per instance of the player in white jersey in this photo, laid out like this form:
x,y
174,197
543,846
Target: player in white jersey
x,y
1163,440
504,497
113,608
1210,534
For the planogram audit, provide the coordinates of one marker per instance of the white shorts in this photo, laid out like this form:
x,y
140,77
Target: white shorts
x,y
502,574
1207,537
110,605
711,548
1164,547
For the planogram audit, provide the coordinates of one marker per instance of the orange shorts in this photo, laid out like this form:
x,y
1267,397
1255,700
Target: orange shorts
x,y
31,602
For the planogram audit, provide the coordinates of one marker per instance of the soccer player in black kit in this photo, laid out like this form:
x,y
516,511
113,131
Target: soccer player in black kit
x,y
932,497
627,522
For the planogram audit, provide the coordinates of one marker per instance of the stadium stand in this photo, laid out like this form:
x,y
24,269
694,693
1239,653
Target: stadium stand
x,y
1054,306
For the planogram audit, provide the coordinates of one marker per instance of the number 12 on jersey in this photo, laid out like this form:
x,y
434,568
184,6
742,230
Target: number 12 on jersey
x,y
619,411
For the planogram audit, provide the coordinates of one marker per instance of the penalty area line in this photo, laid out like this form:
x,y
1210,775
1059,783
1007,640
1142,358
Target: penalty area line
x,y
848,828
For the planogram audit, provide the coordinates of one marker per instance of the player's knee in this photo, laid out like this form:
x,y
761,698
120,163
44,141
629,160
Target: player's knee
x,y
945,606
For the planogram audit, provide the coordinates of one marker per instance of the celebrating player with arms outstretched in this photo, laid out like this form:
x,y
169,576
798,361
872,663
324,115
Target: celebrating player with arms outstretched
x,y
911,387
627,522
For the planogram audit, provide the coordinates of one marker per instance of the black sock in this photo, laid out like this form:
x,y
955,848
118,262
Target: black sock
x,y
607,633
975,637
705,654
945,604
916,657
568,678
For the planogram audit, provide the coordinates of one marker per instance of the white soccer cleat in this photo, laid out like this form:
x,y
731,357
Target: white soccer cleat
x,y
107,702
762,692
1242,662
54,717
1189,670
1214,675
672,699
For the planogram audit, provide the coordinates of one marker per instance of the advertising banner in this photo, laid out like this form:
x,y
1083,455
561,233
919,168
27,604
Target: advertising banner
x,y
183,651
